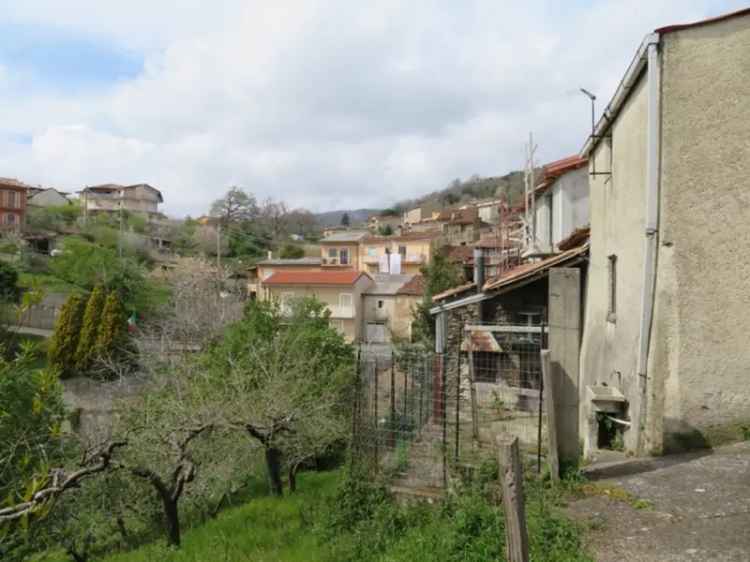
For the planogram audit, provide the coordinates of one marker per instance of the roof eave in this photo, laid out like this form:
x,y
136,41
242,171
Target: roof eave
x,y
631,77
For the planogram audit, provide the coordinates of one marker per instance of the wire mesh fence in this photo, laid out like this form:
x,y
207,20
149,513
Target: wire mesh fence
x,y
421,415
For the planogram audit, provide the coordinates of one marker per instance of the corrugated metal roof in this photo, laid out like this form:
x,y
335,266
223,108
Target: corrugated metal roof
x,y
454,291
348,277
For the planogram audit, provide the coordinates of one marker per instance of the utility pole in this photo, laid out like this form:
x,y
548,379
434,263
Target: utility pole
x,y
119,238
218,245
530,199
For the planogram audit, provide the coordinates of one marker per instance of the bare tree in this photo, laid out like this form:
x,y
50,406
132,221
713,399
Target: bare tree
x,y
235,206
275,216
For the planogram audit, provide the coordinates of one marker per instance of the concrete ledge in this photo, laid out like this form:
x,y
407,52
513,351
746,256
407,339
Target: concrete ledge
x,y
615,469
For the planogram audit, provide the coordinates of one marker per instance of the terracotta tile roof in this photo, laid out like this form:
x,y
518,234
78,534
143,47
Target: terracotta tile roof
x,y
576,238
678,27
13,183
555,169
414,286
458,253
348,278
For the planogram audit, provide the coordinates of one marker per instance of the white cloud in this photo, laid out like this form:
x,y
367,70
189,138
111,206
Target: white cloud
x,y
323,104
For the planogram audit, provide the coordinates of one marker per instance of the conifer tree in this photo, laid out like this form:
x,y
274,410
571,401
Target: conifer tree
x,y
64,342
92,317
112,334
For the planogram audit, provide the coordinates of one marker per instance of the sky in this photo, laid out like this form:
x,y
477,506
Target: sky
x,y
326,105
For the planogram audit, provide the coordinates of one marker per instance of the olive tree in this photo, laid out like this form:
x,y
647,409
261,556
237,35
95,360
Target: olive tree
x,y
283,380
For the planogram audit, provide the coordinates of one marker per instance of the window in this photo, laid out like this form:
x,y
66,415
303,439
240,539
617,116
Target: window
x,y
612,300
12,201
372,252
402,251
333,253
345,300
344,256
380,304
10,218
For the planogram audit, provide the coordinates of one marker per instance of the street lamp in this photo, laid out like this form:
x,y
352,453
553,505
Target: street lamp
x,y
592,97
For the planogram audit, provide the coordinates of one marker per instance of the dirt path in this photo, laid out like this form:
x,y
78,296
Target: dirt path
x,y
697,507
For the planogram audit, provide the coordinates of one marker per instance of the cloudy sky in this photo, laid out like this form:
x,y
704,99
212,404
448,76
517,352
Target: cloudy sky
x,y
327,105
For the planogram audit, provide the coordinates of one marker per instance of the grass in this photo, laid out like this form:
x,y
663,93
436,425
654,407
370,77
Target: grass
x,y
265,529
325,522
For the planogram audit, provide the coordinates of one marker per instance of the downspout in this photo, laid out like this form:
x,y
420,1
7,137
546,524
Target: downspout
x,y
653,155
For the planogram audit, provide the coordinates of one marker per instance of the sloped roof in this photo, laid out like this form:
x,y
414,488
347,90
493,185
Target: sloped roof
x,y
387,284
295,261
526,270
519,273
415,286
699,23
576,238
14,183
555,169
347,278
349,236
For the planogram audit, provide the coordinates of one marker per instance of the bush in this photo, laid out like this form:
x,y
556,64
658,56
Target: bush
x,y
112,334
63,345
8,283
290,251
92,317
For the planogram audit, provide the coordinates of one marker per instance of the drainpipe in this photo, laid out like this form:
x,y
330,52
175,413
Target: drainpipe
x,y
652,228
479,268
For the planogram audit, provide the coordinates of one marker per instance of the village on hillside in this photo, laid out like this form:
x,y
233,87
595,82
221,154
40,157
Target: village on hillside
x,y
579,318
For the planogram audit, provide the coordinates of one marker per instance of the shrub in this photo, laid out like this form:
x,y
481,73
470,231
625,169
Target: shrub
x,y
8,282
63,345
90,329
112,332
290,251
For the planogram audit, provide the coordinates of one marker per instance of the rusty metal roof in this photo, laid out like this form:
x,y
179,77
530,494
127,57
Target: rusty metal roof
x,y
482,341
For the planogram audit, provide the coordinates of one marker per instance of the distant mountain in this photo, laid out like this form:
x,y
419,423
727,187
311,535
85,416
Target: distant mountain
x,y
333,218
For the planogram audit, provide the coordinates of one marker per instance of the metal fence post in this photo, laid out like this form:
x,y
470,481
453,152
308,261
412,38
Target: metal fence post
x,y
377,423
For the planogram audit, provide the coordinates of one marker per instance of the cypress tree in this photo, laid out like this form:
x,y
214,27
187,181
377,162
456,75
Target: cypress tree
x,y
92,317
64,342
113,329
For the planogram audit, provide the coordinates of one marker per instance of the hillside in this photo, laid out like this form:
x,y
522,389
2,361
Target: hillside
x,y
333,218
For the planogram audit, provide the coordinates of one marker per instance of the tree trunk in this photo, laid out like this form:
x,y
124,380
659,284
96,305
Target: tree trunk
x,y
273,462
172,521
293,477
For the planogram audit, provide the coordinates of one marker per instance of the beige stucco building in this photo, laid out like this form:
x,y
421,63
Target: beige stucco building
x,y
667,298
414,251
340,291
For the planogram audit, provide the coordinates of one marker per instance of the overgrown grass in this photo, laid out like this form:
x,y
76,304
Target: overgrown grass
x,y
335,518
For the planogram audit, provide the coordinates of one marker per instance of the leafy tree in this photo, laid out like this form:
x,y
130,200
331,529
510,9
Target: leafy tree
x,y
63,346
89,329
184,242
291,251
284,382
8,282
345,220
385,230
439,275
235,206
31,411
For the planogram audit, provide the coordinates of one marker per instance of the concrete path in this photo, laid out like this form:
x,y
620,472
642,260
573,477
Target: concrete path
x,y
698,508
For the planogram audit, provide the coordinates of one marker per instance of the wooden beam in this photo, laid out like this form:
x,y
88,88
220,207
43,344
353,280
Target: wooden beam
x,y
511,477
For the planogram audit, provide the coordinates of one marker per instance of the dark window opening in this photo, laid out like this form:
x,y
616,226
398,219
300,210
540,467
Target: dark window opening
x,y
612,280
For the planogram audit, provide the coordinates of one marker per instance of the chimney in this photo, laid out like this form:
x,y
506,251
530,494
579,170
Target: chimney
x,y
479,268
270,255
